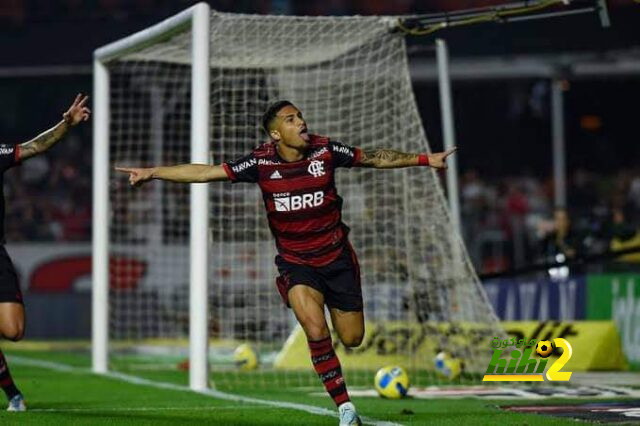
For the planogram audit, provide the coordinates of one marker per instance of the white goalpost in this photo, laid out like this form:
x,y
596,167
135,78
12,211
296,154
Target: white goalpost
x,y
197,19
186,271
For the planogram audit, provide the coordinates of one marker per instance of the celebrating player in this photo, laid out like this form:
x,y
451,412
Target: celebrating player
x,y
317,265
11,305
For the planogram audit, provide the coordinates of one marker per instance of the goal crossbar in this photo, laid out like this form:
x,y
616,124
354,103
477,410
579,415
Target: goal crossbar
x,y
159,32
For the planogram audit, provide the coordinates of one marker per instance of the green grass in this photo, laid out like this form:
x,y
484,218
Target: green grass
x,y
80,397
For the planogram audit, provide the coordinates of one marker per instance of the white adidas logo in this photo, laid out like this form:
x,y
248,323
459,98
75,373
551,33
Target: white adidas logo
x,y
275,175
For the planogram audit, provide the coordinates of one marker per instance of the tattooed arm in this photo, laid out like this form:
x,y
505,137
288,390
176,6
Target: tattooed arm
x,y
76,113
43,141
390,159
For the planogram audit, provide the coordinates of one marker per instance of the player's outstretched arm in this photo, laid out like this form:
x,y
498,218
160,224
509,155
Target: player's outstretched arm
x,y
390,159
76,113
183,173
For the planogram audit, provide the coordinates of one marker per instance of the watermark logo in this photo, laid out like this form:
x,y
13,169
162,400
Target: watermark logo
x,y
521,366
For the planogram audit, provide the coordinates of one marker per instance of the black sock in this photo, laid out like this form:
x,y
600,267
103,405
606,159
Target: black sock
x,y
6,382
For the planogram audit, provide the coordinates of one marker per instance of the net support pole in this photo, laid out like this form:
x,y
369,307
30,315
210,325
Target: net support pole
x,y
557,130
448,130
199,249
603,13
100,238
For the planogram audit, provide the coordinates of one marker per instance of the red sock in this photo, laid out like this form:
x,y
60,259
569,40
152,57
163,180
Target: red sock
x,y
327,365
6,382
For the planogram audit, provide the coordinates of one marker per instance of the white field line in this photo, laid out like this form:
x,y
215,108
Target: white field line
x,y
102,409
209,392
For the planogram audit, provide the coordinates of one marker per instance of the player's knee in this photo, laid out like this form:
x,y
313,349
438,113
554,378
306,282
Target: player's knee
x,y
13,331
352,341
315,330
316,333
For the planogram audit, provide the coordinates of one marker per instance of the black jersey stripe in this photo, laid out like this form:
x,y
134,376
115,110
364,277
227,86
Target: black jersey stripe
x,y
314,252
303,235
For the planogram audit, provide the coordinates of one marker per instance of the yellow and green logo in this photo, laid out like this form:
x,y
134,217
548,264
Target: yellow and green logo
x,y
520,366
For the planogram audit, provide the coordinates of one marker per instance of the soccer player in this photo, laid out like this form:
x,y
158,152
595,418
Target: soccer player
x,y
317,265
11,305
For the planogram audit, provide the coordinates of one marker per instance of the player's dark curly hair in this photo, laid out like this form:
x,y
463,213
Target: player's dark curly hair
x,y
271,113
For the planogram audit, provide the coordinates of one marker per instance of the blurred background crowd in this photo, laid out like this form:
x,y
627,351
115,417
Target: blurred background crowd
x,y
48,198
508,214
511,222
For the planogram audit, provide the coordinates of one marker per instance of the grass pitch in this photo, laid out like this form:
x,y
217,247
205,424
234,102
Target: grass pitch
x,y
60,389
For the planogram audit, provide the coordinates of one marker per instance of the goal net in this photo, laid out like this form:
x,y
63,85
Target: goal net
x,y
349,76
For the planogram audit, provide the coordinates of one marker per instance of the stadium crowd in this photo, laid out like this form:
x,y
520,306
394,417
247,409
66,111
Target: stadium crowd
x,y
511,221
49,197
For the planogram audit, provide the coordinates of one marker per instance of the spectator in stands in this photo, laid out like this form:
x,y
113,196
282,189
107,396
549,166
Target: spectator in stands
x,y
634,196
624,236
561,239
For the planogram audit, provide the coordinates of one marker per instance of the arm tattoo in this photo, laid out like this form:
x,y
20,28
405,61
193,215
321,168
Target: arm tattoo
x,y
387,159
43,141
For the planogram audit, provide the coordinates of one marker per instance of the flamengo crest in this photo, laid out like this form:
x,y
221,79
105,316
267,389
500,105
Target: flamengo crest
x,y
316,168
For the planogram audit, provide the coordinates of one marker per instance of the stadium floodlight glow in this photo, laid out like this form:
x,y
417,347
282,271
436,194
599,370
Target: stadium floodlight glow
x,y
350,78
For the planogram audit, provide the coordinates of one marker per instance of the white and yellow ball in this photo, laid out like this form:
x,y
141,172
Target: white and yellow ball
x,y
392,382
245,357
447,366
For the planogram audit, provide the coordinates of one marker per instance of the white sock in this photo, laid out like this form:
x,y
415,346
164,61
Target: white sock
x,y
345,406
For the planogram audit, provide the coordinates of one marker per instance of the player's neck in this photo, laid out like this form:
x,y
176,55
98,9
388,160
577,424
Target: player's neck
x,y
290,154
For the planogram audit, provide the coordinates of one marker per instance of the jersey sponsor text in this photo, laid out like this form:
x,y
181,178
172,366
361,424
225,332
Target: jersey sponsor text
x,y
265,162
244,165
317,153
342,150
298,202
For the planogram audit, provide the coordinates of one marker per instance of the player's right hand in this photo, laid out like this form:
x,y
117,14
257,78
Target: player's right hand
x,y
137,176
77,112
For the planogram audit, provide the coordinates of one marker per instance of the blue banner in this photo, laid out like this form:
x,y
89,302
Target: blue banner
x,y
541,299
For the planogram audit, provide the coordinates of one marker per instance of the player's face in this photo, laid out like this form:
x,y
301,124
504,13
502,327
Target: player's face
x,y
290,128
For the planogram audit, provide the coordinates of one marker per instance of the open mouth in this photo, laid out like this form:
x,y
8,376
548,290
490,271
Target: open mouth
x,y
304,134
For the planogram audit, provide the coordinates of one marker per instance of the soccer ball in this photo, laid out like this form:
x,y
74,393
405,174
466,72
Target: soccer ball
x,y
392,382
544,348
245,357
447,366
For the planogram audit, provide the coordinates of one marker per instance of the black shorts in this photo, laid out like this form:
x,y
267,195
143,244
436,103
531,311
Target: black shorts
x,y
9,287
338,281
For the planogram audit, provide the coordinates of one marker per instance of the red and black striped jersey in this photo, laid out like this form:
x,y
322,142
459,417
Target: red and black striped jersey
x,y
303,207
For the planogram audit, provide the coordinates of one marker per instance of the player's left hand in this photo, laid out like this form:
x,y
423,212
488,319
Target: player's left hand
x,y
438,160
77,112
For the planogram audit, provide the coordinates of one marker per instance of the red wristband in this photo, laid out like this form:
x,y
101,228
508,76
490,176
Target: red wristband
x,y
423,160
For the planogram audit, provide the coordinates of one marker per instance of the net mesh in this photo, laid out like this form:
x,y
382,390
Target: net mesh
x,y
349,76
